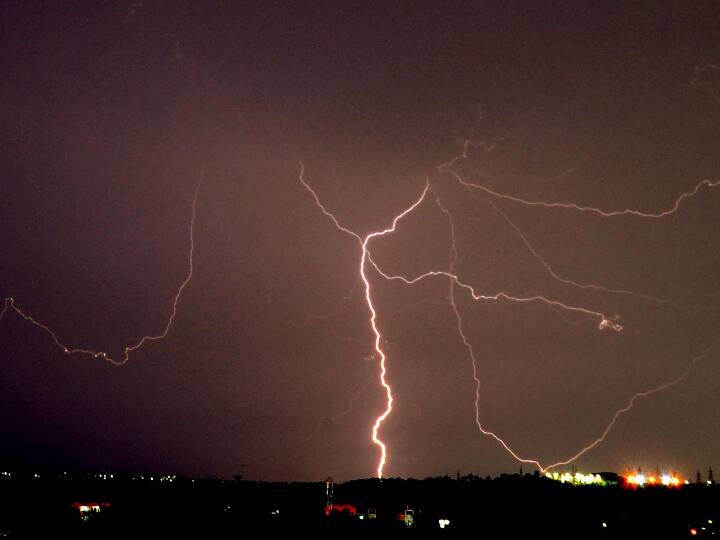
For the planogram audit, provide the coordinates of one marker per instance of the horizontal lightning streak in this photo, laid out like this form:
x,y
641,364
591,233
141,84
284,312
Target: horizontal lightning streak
x,y
605,321
566,281
10,304
447,167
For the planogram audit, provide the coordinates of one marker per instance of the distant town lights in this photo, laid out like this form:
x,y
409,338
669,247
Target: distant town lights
x,y
640,480
576,478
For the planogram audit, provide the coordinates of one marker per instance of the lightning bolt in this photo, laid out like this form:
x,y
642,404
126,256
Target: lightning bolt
x,y
364,258
383,371
448,167
631,403
69,350
576,284
604,321
474,363
553,273
488,147
468,345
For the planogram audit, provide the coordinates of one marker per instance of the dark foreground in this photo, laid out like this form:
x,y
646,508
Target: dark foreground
x,y
93,505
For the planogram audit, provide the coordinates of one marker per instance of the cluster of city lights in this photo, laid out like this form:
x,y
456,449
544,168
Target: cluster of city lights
x,y
635,479
577,478
165,478
703,528
641,480
89,508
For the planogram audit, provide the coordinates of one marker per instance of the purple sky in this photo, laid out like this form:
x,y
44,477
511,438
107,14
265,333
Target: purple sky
x,y
111,113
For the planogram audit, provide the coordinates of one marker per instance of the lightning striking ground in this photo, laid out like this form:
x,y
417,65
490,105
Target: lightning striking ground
x,y
69,350
474,363
604,321
631,403
448,168
365,256
373,321
468,346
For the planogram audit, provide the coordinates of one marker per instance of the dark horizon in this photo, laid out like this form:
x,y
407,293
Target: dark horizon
x,y
115,506
568,116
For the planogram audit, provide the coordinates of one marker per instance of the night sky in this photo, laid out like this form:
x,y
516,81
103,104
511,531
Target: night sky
x,y
110,114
